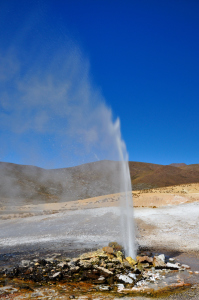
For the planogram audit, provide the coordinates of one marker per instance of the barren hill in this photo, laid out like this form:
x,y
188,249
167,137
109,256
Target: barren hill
x,y
36,185
162,176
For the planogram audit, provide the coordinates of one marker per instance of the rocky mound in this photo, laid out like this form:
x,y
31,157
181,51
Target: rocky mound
x,y
107,268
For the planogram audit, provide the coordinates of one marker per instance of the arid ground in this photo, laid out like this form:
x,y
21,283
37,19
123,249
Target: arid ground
x,y
166,220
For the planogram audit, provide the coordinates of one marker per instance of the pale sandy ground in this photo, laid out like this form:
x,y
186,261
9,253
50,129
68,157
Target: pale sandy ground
x,y
165,218
175,195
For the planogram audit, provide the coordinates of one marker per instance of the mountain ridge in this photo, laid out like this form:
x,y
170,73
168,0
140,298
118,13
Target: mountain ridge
x,y
35,184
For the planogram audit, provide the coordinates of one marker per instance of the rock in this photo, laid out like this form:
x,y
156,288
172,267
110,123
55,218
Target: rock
x,y
120,256
94,260
158,262
104,288
42,262
75,260
25,263
172,266
171,259
185,266
116,261
101,278
131,261
74,269
62,264
127,265
145,265
119,267
144,259
56,275
115,246
67,259
99,253
103,270
108,250
110,265
120,287
162,257
125,278
85,264
36,294
132,275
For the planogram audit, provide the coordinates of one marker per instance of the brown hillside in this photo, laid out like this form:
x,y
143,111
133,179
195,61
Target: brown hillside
x,y
168,176
31,184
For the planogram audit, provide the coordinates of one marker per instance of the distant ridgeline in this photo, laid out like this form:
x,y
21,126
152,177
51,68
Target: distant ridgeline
x,y
37,185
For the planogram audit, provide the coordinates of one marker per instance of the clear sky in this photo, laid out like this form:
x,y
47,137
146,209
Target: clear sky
x,y
142,57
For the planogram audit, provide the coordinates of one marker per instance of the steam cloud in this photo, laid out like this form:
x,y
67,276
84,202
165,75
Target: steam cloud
x,y
52,114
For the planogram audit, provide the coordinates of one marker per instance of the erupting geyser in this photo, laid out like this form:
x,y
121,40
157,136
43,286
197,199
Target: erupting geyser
x,y
126,200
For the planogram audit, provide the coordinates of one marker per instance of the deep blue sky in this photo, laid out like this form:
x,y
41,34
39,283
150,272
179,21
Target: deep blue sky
x,y
144,58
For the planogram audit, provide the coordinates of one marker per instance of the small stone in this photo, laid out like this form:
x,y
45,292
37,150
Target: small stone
x,y
171,259
75,260
126,264
144,259
74,269
85,264
115,261
94,260
162,257
172,266
108,250
132,261
115,246
132,275
104,288
158,262
119,255
36,294
185,266
99,253
125,278
101,278
62,264
103,270
56,275
25,263
120,287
